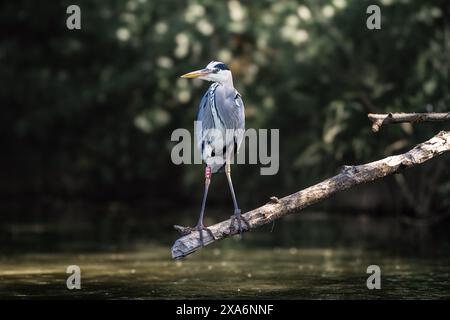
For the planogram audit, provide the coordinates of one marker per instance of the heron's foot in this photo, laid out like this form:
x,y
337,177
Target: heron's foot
x,y
200,228
240,221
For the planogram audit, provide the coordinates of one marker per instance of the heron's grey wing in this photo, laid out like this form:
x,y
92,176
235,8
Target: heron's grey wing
x,y
241,124
231,113
230,108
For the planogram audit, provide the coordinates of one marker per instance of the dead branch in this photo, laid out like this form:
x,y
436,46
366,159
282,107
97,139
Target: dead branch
x,y
379,119
350,176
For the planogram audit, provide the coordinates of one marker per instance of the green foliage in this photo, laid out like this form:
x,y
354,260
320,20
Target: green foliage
x,y
89,113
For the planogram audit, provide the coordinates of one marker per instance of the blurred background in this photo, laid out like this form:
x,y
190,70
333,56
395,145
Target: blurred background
x,y
87,116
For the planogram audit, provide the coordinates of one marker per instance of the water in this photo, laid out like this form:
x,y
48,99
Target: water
x,y
308,258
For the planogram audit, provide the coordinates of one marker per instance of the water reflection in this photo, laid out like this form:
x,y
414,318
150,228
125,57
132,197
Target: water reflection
x,y
260,266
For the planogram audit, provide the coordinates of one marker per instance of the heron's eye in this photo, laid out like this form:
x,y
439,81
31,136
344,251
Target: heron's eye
x,y
215,70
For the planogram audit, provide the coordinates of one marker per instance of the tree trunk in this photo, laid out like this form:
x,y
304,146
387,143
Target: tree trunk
x,y
350,176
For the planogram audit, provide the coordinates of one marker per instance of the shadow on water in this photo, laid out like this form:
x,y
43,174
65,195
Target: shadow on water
x,y
313,256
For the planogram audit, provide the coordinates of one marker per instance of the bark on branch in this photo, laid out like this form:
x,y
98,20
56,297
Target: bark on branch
x,y
350,176
379,119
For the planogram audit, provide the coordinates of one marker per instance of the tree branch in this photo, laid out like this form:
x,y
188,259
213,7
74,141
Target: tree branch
x,y
379,119
350,176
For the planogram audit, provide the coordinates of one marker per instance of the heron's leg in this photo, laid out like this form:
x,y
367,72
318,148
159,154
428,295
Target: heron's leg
x,y
237,212
200,227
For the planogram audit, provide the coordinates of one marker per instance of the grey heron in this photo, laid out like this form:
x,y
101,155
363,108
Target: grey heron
x,y
219,132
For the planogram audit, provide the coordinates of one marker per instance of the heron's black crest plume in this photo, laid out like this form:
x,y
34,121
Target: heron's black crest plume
x,y
222,66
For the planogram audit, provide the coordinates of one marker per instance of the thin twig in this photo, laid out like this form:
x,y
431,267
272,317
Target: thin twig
x,y
379,119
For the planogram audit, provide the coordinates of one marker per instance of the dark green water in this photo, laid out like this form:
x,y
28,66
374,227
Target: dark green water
x,y
313,258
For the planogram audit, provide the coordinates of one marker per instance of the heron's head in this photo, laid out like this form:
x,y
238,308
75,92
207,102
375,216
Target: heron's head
x,y
215,71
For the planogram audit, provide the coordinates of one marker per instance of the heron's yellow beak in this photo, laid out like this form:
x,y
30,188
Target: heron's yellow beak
x,y
196,74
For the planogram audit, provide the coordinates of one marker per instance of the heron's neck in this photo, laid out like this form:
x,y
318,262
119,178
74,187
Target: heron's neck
x,y
228,82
